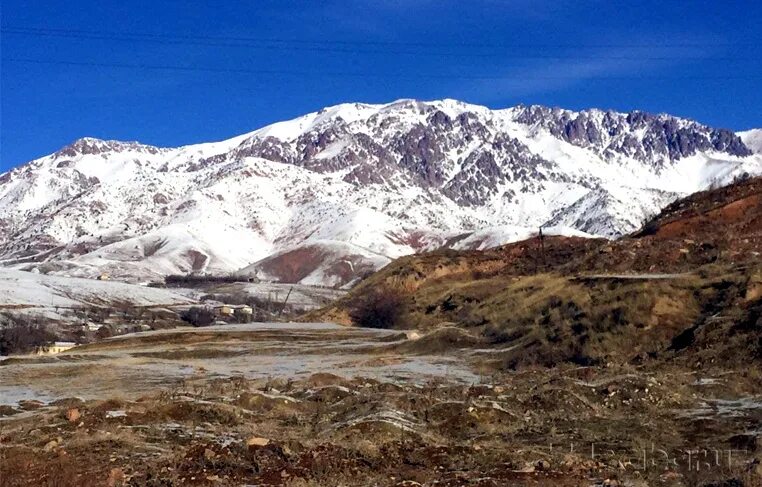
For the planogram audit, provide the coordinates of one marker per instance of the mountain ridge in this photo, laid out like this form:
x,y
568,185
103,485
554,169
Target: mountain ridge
x,y
376,181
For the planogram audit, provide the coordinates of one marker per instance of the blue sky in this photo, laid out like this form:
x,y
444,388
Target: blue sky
x,y
212,70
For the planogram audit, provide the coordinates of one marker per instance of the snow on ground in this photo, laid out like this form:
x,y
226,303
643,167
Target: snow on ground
x,y
752,139
20,288
493,237
300,297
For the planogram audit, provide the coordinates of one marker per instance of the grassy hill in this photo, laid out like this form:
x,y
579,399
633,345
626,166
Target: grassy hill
x,y
687,285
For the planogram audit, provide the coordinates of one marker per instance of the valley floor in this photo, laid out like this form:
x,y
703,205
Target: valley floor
x,y
318,404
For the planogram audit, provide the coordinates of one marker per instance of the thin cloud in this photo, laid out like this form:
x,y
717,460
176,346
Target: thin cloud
x,y
550,76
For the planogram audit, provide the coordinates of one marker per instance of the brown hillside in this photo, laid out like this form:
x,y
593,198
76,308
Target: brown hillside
x,y
691,275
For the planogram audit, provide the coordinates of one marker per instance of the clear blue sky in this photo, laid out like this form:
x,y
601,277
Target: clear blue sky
x,y
218,69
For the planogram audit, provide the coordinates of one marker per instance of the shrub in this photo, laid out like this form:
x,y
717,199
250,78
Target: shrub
x,y
380,308
194,280
24,335
198,316
650,228
104,332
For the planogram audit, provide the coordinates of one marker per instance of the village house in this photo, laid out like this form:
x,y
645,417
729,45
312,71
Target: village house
x,y
244,310
56,347
224,310
92,326
229,310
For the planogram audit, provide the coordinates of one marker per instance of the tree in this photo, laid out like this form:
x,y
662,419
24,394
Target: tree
x,y
24,335
198,316
379,308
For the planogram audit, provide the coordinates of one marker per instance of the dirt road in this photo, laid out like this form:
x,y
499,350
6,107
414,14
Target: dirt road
x,y
133,365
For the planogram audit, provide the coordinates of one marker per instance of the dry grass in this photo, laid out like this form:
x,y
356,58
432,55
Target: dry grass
x,y
553,318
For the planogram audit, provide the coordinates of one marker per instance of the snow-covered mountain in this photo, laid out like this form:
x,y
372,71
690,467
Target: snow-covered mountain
x,y
335,194
752,139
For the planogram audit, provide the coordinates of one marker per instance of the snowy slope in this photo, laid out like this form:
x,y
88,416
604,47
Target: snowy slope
x,y
493,237
752,139
18,288
326,197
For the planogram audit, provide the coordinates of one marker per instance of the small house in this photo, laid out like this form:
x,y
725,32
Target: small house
x,y
224,310
56,347
93,326
245,310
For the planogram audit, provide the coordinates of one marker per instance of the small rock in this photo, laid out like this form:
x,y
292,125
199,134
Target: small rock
x,y
257,441
6,410
73,415
50,446
527,468
670,475
115,477
30,405
542,465
209,454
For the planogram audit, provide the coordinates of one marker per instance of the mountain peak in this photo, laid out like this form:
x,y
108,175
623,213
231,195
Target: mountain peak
x,y
92,145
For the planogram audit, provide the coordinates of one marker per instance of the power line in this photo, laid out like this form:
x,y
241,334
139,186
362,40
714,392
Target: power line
x,y
346,46
382,43
406,76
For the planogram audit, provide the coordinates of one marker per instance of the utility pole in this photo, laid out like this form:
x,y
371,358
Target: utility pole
x,y
283,306
542,248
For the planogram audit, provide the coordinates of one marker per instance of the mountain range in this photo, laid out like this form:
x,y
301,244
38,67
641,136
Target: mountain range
x,y
333,195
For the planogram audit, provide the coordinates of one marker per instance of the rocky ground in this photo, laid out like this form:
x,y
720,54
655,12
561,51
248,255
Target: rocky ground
x,y
387,415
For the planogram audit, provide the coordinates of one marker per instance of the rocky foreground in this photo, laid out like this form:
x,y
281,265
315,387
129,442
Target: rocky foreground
x,y
388,416
561,428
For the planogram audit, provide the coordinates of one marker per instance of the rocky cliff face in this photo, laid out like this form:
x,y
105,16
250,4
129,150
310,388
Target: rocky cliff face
x,y
355,184
653,139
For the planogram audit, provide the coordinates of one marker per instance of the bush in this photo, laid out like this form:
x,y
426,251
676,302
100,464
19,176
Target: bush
x,y
198,316
193,280
381,308
650,228
104,332
24,335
